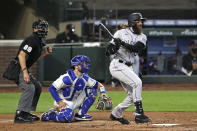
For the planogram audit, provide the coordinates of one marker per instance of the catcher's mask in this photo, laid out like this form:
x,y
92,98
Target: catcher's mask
x,y
134,18
42,27
81,60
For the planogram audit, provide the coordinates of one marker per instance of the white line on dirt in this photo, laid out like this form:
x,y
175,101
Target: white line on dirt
x,y
5,121
169,124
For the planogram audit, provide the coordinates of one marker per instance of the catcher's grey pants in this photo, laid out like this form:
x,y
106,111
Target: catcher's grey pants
x,y
31,93
129,81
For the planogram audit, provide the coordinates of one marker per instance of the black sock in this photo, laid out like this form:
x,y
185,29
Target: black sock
x,y
138,107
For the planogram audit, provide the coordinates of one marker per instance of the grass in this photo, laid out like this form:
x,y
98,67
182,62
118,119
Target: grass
x,y
153,101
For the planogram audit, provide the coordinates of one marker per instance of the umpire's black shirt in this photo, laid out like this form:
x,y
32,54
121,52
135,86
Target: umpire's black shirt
x,y
33,46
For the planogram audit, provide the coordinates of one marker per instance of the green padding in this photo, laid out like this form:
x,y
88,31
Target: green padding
x,y
56,63
97,57
169,79
59,61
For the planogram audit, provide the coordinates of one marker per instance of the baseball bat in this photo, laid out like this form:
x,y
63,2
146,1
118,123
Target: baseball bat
x,y
104,28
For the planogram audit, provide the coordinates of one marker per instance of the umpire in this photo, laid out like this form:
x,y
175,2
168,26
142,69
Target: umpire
x,y
32,49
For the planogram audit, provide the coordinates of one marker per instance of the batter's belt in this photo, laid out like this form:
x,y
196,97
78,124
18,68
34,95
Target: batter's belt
x,y
126,63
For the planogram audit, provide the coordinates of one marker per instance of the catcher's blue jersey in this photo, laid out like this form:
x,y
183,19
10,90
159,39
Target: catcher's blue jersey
x,y
70,87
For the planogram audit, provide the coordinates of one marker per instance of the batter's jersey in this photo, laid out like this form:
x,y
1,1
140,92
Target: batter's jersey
x,y
128,36
71,87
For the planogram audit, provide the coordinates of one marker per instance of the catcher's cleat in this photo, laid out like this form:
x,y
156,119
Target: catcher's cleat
x,y
142,119
85,117
23,117
34,117
121,120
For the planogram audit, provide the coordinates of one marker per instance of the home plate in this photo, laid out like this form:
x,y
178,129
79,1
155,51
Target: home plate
x,y
166,124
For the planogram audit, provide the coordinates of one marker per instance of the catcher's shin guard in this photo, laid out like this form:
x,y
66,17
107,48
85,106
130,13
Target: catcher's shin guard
x,y
88,102
86,105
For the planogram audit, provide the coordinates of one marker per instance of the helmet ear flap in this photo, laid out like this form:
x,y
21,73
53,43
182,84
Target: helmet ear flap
x,y
132,23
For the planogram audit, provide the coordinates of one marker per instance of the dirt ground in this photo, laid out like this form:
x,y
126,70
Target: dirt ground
x,y
101,122
187,121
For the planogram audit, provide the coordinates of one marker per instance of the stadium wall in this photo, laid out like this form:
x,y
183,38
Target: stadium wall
x,y
6,54
49,68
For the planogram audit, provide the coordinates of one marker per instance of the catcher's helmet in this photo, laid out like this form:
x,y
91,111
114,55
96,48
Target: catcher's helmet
x,y
42,27
133,18
79,60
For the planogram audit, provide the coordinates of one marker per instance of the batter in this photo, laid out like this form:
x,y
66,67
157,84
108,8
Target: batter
x,y
130,42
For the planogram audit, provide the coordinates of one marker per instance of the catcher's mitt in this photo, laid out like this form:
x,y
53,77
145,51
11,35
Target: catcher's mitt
x,y
104,103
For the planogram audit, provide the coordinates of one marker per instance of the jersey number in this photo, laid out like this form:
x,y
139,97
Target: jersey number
x,y
27,48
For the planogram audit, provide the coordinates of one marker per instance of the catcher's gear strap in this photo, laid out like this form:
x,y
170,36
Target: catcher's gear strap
x,y
102,90
54,93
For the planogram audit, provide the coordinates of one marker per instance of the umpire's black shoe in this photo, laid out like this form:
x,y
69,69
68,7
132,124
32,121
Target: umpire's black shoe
x,y
34,117
142,119
121,120
22,117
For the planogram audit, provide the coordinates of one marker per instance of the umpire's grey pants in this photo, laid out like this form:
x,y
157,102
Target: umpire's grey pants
x,y
31,93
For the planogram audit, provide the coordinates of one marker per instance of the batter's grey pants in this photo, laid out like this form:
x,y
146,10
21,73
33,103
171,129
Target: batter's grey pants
x,y
31,93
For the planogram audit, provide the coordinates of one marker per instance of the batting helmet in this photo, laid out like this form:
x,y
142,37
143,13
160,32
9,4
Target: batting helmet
x,y
42,27
79,60
134,17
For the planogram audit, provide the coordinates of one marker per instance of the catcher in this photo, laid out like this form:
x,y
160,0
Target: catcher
x,y
75,90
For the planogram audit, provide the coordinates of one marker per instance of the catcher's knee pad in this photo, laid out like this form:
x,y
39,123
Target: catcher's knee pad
x,y
65,115
87,104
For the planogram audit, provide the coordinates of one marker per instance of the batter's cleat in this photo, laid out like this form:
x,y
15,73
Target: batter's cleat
x,y
34,117
85,117
23,117
142,119
121,120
